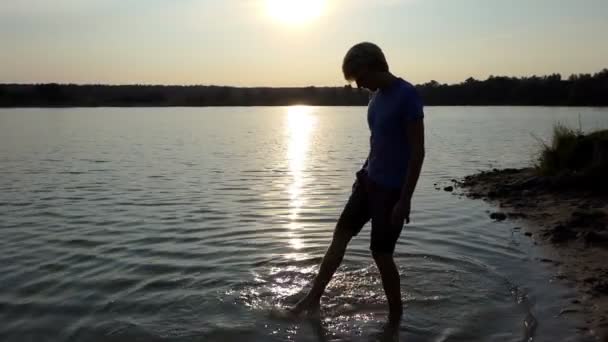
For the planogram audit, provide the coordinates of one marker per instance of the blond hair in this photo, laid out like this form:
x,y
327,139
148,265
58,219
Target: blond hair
x,y
361,56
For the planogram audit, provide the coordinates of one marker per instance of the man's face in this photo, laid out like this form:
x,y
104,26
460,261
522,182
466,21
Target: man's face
x,y
365,79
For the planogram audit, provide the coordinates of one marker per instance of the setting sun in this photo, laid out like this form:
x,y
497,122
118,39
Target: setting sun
x,y
295,11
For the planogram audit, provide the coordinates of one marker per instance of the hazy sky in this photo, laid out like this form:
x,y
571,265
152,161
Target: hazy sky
x,y
246,43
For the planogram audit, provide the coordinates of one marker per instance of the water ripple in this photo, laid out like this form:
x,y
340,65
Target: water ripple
x,y
196,224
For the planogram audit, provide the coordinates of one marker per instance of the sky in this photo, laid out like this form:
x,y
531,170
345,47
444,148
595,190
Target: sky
x,y
294,42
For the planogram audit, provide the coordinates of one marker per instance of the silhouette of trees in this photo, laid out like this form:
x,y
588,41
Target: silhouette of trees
x,y
549,90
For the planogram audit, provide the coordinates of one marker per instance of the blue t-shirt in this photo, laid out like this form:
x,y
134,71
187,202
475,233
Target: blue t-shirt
x,y
388,112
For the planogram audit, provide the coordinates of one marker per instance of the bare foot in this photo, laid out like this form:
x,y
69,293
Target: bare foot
x,y
306,304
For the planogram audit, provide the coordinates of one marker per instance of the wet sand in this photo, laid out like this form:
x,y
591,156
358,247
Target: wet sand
x,y
570,223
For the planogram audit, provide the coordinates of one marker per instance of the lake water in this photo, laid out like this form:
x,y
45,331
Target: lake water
x,y
192,224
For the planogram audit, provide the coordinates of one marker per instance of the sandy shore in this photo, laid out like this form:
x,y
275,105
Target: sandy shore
x,y
571,223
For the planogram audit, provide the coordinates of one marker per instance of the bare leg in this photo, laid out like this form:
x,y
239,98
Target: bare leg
x,y
392,286
331,261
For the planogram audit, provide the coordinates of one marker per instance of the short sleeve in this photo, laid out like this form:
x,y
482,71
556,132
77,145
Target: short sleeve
x,y
413,106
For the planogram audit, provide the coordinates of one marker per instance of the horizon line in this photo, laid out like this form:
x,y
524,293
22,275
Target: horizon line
x,y
283,87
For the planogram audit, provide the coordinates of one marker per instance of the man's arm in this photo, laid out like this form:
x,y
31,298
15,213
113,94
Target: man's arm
x,y
415,136
368,154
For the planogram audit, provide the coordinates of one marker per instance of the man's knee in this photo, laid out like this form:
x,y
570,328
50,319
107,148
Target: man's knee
x,y
337,248
342,236
382,258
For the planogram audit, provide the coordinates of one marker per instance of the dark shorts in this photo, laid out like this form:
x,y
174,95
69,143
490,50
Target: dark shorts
x,y
371,201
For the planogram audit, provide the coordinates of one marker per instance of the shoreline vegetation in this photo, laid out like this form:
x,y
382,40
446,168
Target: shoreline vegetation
x,y
551,90
562,204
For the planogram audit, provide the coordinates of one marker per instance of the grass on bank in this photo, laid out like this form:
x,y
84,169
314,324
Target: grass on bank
x,y
580,158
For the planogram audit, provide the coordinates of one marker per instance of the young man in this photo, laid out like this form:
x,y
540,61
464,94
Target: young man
x,y
384,186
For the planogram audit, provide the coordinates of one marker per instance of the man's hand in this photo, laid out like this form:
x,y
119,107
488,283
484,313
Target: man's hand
x,y
401,212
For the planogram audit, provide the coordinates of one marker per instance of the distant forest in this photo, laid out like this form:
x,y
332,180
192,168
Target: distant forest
x,y
551,90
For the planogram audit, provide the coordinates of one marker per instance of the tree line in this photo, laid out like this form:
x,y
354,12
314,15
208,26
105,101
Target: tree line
x,y
550,90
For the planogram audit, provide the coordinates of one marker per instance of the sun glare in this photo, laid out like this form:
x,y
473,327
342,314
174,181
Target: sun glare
x,y
301,121
295,11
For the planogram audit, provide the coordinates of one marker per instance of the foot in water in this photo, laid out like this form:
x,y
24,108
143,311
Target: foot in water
x,y
309,305
311,309
389,332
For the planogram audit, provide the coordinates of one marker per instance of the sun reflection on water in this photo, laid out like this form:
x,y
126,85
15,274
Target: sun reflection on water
x,y
301,122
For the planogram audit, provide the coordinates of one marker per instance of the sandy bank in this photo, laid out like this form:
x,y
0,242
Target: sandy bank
x,y
571,222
